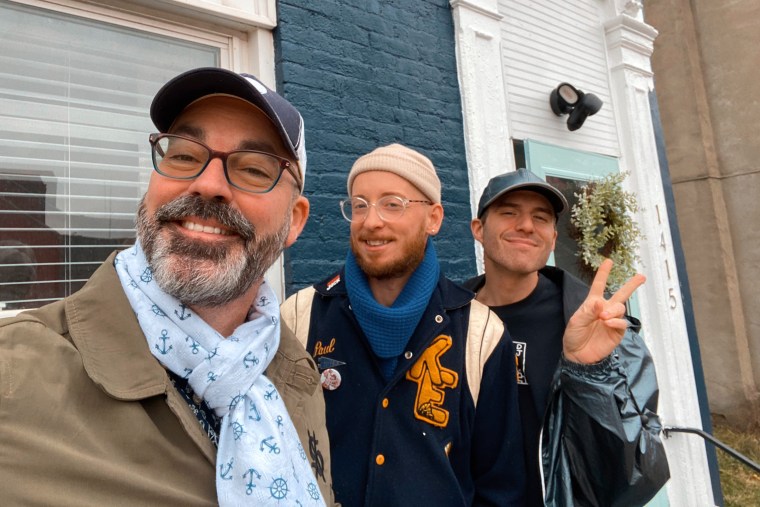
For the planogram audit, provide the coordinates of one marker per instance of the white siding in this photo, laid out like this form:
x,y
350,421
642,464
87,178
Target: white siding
x,y
542,46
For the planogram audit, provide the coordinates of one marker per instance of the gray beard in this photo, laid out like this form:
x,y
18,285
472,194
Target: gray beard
x,y
197,273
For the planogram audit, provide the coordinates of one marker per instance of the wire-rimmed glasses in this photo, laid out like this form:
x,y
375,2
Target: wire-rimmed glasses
x,y
388,208
185,158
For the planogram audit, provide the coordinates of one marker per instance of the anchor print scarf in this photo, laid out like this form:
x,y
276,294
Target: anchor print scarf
x,y
260,460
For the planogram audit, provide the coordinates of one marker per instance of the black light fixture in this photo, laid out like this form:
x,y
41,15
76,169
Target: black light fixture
x,y
566,98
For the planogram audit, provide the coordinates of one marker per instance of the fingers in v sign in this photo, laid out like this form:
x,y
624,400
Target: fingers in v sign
x,y
599,324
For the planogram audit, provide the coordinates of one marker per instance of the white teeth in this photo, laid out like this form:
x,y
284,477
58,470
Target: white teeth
x,y
203,228
376,243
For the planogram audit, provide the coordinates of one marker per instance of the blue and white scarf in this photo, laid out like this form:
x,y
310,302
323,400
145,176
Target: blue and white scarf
x,y
260,460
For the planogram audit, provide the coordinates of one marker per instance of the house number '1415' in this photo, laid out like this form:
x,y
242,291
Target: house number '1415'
x,y
672,300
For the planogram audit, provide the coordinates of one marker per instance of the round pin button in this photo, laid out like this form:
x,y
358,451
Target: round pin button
x,y
385,402
330,379
380,459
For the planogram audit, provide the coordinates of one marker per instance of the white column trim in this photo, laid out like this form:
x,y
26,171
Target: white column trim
x,y
477,34
484,8
260,13
629,47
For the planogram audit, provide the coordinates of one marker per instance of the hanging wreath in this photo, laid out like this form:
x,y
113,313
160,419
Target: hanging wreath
x,y
604,227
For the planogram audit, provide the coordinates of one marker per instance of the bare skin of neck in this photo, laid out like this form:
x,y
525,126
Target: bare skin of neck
x,y
226,318
386,290
505,287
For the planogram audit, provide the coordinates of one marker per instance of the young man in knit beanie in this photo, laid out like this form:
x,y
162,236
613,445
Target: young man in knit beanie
x,y
418,378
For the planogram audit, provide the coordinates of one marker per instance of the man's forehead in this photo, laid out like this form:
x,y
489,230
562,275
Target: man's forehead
x,y
196,131
209,105
520,196
194,120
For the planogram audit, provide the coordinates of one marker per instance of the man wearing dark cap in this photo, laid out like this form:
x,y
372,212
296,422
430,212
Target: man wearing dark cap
x,y
168,378
586,382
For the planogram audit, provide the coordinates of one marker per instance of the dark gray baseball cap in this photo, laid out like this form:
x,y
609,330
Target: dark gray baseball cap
x,y
522,179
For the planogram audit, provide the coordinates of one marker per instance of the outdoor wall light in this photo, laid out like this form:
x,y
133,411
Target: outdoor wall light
x,y
567,99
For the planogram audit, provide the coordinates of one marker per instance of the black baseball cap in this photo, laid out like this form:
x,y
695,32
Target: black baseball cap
x,y
194,84
522,179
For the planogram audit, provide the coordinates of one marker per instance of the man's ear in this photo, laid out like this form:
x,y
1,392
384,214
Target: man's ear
x,y
476,226
435,219
299,215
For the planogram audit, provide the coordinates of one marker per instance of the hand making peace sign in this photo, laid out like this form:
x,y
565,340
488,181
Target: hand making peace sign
x,y
598,326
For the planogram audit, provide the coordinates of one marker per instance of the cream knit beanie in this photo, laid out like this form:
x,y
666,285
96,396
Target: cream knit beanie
x,y
414,167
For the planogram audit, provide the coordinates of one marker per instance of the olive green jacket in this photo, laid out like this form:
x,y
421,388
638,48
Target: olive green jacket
x,y
89,417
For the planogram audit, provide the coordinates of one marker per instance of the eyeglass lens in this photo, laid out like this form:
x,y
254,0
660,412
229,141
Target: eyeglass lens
x,y
388,208
178,157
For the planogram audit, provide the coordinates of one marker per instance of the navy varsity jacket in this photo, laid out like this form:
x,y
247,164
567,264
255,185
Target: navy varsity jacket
x,y
444,431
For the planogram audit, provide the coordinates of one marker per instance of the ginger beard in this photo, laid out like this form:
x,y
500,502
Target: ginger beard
x,y
411,254
200,273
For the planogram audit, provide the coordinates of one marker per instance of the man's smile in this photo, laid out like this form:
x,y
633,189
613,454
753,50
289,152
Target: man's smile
x,y
209,229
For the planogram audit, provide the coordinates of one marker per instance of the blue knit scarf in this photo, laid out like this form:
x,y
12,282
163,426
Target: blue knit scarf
x,y
388,329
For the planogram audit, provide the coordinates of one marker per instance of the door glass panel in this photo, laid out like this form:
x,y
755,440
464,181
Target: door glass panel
x,y
567,245
568,170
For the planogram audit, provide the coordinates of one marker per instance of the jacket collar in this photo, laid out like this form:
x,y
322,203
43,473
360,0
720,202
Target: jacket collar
x,y
292,365
116,356
114,352
573,290
452,295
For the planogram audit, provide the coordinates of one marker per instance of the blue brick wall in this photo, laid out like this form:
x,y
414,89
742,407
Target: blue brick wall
x,y
363,75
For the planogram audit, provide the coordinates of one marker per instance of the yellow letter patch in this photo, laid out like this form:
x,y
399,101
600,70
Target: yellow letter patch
x,y
431,380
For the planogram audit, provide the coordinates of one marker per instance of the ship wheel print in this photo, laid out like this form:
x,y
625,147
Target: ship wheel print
x,y
313,491
279,488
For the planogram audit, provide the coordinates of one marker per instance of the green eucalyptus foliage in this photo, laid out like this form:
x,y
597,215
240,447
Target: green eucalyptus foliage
x,y
603,218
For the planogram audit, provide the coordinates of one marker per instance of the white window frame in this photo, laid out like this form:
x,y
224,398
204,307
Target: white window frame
x,y
240,29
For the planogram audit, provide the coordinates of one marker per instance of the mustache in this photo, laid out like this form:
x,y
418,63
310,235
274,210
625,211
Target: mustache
x,y
193,205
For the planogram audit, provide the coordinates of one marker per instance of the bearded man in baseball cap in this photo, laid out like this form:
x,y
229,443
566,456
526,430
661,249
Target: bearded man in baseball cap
x,y
168,379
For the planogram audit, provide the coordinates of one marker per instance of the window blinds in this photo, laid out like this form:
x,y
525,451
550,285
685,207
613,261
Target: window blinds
x,y
74,154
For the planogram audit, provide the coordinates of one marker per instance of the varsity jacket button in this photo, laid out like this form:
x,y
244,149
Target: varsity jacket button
x,y
380,459
385,402
438,319
408,354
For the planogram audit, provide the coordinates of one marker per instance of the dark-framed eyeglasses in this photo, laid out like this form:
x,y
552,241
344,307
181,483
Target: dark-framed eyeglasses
x,y
389,208
185,158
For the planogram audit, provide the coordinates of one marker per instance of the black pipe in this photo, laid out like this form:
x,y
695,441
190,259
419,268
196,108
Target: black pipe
x,y
716,442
